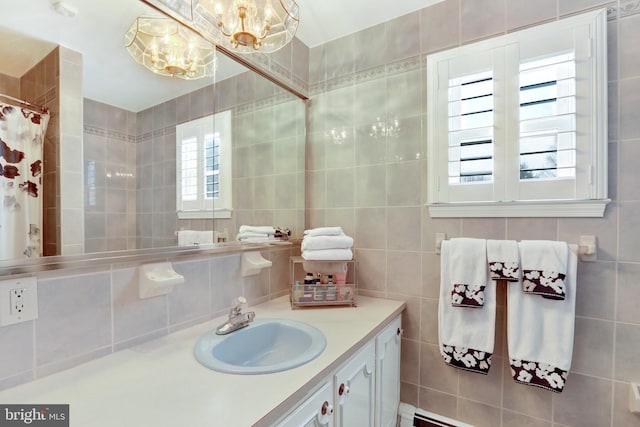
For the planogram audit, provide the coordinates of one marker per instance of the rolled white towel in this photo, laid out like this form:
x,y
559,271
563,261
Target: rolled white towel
x,y
324,231
326,242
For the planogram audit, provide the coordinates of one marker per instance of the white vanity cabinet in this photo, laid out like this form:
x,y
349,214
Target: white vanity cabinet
x,y
354,389
388,344
316,411
363,391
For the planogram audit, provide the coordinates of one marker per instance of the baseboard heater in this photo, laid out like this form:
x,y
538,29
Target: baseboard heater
x,y
410,416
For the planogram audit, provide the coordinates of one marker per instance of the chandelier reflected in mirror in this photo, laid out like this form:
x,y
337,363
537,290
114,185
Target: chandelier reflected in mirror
x,y
247,26
168,48
381,128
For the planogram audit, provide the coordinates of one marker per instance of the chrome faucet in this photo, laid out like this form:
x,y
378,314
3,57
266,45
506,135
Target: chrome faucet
x,y
237,319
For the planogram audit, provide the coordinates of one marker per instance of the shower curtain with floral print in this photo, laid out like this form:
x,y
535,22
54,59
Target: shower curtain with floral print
x,y
21,150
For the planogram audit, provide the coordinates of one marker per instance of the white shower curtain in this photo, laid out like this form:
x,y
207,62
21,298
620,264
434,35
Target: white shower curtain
x,y
21,168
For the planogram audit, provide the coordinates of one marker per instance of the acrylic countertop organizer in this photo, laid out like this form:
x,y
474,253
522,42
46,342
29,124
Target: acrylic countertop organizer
x,y
322,283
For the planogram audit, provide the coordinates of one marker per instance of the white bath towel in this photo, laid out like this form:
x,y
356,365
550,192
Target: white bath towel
x,y
466,336
324,231
261,229
328,255
504,261
194,237
468,272
326,242
544,267
540,333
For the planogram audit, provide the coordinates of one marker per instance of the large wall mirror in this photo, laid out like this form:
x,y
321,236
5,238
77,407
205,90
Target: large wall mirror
x,y
109,180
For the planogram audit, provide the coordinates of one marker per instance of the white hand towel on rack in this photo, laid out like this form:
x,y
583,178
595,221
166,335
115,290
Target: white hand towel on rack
x,y
540,333
544,267
466,336
468,272
504,262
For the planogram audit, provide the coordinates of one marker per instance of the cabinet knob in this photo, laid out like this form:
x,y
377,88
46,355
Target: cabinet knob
x,y
399,332
327,408
343,389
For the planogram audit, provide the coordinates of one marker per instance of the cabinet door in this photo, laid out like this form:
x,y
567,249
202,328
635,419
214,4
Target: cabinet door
x,y
316,411
388,374
355,389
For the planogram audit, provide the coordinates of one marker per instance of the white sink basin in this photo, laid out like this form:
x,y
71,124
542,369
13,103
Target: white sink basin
x,y
265,346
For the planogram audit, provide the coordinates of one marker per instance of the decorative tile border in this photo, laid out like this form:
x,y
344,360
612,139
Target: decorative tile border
x,y
413,63
409,64
107,133
629,7
47,97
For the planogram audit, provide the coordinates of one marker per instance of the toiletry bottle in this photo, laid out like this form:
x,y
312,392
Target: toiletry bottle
x,y
309,280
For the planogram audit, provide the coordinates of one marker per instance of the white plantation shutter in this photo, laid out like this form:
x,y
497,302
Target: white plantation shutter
x,y
471,128
520,119
203,163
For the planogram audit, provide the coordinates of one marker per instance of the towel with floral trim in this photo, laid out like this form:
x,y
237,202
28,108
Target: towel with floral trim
x,y
504,261
544,267
540,333
466,336
468,272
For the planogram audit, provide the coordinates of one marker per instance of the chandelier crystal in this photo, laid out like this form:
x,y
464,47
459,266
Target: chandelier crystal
x,y
247,26
168,48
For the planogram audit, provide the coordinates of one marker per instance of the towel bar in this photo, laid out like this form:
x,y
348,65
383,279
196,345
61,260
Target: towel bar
x,y
587,248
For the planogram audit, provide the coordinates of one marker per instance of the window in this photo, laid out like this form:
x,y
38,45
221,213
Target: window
x,y
203,165
517,124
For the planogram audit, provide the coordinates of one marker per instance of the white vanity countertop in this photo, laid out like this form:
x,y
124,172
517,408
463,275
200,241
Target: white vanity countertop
x,y
160,383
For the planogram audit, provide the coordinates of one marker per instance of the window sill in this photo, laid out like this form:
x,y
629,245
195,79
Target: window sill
x,y
521,209
205,214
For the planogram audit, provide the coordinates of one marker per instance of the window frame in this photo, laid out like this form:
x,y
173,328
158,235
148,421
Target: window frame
x,y
479,57
203,208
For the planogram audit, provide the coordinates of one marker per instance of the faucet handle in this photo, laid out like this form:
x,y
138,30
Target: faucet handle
x,y
238,304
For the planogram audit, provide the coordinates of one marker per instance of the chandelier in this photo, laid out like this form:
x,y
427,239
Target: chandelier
x,y
247,26
381,128
170,49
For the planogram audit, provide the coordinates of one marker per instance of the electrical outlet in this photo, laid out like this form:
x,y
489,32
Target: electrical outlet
x,y
18,300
